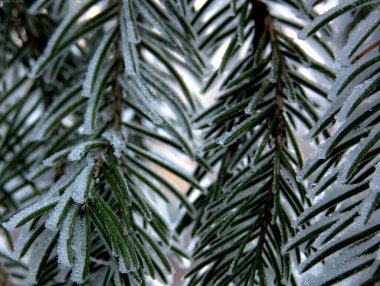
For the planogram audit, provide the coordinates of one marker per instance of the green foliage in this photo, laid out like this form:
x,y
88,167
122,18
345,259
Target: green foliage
x,y
86,159
95,93
246,215
343,170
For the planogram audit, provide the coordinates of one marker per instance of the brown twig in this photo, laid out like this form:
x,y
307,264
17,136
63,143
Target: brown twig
x,y
366,51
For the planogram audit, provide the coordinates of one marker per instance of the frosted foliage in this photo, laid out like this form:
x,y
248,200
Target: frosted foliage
x,y
253,102
332,270
151,114
55,39
62,99
129,52
42,129
317,188
314,157
65,180
358,249
354,98
77,152
88,126
366,207
353,230
98,278
55,158
122,266
322,151
91,110
58,211
326,16
88,84
38,252
240,35
117,279
21,240
145,89
307,231
333,192
273,73
151,17
222,140
342,219
38,130
370,23
370,199
130,23
342,79
116,140
356,153
63,240
82,183
232,9
333,108
79,250
29,211
375,180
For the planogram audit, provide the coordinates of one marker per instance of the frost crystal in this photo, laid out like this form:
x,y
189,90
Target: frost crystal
x,y
314,228
354,155
116,140
92,105
375,181
59,210
79,250
82,183
356,96
56,158
333,193
323,183
94,65
354,230
129,52
130,23
77,152
64,239
345,76
356,37
29,211
39,250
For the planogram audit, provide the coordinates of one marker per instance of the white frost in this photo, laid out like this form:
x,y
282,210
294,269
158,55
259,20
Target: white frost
x,y
129,52
355,97
375,180
58,211
354,155
19,217
79,250
64,235
116,140
56,158
82,183
370,23
93,67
